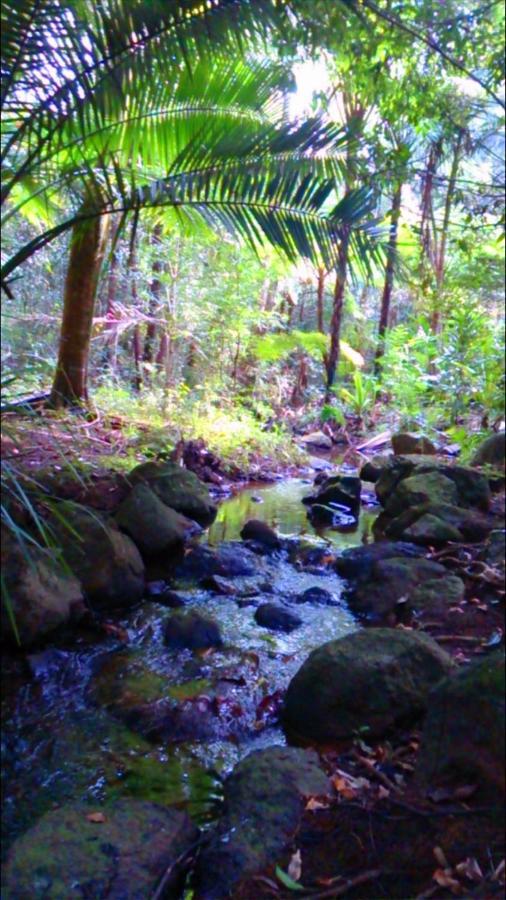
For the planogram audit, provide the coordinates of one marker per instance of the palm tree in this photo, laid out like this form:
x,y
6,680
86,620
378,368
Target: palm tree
x,y
113,108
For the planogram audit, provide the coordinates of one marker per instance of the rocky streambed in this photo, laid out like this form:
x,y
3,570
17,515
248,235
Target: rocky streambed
x,y
286,649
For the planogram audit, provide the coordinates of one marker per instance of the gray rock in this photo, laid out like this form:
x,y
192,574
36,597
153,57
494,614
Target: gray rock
x,y
261,533
265,798
177,488
436,523
429,487
122,857
358,561
277,618
317,596
37,595
227,561
463,734
390,582
374,679
192,630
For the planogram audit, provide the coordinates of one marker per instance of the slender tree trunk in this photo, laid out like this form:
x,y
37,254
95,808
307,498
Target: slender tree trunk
x,y
389,278
137,352
155,290
441,256
70,385
320,293
332,357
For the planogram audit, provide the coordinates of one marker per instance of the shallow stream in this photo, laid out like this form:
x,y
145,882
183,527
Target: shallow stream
x,y
73,714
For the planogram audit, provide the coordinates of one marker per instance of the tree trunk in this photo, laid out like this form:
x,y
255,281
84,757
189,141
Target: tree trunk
x,y
441,256
320,293
155,290
389,278
332,357
70,385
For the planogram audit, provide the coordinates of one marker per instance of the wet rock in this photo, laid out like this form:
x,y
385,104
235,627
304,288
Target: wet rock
x,y
405,442
277,618
227,561
218,585
316,595
463,734
373,468
390,582
154,527
122,854
316,439
307,553
171,599
374,679
40,595
192,630
177,488
340,491
105,561
492,452
473,489
358,561
265,797
261,533
435,523
429,487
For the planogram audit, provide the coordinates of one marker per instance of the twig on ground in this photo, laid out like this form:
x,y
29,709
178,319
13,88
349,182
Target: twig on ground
x,y
339,891
379,776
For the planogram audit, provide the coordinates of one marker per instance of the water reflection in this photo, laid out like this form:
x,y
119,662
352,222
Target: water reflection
x,y
281,507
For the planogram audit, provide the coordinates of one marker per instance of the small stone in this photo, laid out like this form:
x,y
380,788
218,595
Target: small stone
x,y
261,533
317,439
318,596
408,443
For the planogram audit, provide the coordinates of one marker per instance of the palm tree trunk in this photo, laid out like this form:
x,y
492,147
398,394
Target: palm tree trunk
x,y
389,278
70,385
154,300
320,292
332,357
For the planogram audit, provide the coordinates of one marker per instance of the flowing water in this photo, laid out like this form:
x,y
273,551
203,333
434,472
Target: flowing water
x,y
72,726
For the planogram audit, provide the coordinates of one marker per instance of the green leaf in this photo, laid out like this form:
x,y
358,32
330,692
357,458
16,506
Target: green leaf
x,y
287,881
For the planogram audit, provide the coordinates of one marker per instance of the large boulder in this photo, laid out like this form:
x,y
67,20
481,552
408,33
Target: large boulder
x,y
38,595
374,467
265,798
473,489
177,488
316,439
106,562
390,582
154,527
120,852
373,680
227,560
427,487
357,562
463,734
492,452
405,442
435,523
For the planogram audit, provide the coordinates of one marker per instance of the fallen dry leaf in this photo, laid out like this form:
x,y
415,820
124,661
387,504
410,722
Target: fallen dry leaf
x,y
343,788
470,867
313,804
383,792
440,858
96,817
443,878
295,867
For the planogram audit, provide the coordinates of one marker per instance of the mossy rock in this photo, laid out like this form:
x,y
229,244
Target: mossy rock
x,y
122,856
191,630
436,523
437,595
38,596
463,734
492,452
473,489
178,488
265,797
431,487
154,527
343,490
357,562
390,582
106,562
372,680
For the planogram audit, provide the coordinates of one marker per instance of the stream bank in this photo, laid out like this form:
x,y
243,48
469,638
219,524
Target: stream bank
x,y
112,713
